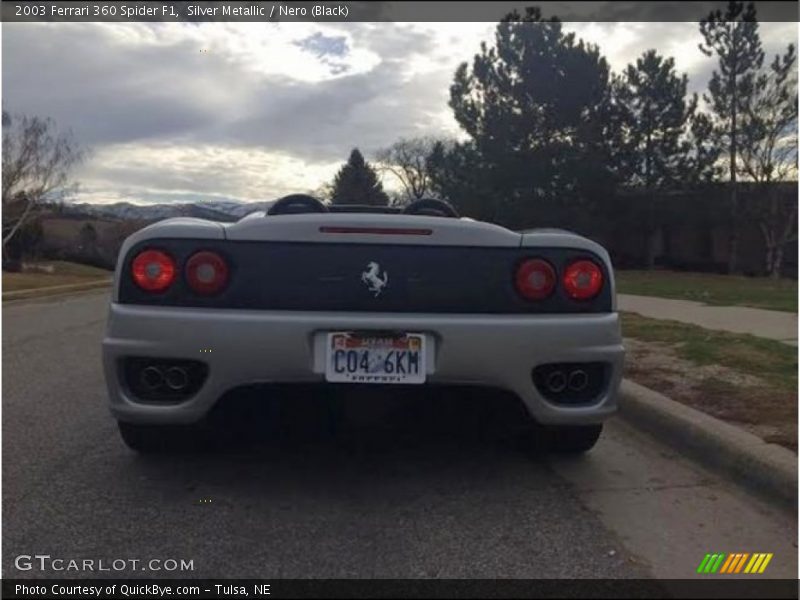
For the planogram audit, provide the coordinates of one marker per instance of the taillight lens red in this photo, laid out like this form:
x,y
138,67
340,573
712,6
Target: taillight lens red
x,y
207,273
582,280
535,279
153,270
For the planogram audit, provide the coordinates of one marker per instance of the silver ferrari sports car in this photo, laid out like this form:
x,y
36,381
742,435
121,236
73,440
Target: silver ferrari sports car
x,y
308,292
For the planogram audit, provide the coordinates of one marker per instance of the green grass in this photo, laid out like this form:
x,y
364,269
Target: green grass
x,y
64,273
722,290
773,362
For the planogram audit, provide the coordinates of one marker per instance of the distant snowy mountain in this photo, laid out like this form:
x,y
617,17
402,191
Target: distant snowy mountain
x,y
221,210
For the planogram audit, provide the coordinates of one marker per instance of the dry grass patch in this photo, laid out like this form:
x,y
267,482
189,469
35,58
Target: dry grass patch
x,y
746,381
63,273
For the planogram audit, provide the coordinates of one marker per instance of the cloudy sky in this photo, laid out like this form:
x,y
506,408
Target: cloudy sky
x,y
250,111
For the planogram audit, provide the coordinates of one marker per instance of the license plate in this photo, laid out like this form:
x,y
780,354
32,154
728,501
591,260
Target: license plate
x,y
375,358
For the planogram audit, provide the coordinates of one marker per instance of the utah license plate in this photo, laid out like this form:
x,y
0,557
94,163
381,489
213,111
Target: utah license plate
x,y
375,358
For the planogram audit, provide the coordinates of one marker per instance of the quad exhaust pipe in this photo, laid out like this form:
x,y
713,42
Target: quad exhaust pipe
x,y
558,381
175,378
151,378
578,380
571,383
163,379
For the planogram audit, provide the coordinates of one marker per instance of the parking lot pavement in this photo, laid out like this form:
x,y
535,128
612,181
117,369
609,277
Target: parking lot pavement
x,y
416,489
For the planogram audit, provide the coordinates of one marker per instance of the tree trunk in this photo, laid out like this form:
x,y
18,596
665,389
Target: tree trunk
x,y
777,263
651,234
650,226
733,239
733,236
768,260
777,231
19,223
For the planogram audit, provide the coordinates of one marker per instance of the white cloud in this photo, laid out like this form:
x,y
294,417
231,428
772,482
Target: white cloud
x,y
129,171
176,111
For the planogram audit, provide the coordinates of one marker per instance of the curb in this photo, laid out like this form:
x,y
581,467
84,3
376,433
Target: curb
x,y
55,290
768,469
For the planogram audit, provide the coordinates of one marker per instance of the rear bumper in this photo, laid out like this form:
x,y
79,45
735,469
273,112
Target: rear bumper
x,y
248,346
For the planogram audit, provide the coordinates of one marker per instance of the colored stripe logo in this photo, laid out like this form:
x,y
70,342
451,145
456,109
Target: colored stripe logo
x,y
737,562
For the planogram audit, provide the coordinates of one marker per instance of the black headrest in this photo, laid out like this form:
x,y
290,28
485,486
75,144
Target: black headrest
x,y
295,204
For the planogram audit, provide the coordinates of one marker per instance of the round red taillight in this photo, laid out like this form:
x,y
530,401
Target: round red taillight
x,y
153,270
207,273
583,280
535,279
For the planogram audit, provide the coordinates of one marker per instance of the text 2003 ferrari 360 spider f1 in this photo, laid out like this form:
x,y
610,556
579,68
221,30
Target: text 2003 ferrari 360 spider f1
x,y
310,292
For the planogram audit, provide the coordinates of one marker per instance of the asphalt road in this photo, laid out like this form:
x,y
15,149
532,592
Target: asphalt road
x,y
374,497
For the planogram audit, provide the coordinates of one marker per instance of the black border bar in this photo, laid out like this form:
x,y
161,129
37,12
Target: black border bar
x,y
203,589
414,11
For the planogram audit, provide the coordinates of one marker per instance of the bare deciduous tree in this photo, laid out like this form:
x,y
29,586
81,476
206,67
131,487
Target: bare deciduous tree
x,y
733,37
407,160
37,160
324,192
768,153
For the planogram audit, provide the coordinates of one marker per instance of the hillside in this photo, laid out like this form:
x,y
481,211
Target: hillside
x,y
223,210
93,233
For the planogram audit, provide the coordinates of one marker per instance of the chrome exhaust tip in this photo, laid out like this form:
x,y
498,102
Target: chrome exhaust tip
x,y
556,381
151,377
578,380
176,378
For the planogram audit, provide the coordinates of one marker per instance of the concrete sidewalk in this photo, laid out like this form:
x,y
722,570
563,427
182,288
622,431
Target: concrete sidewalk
x,y
771,324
